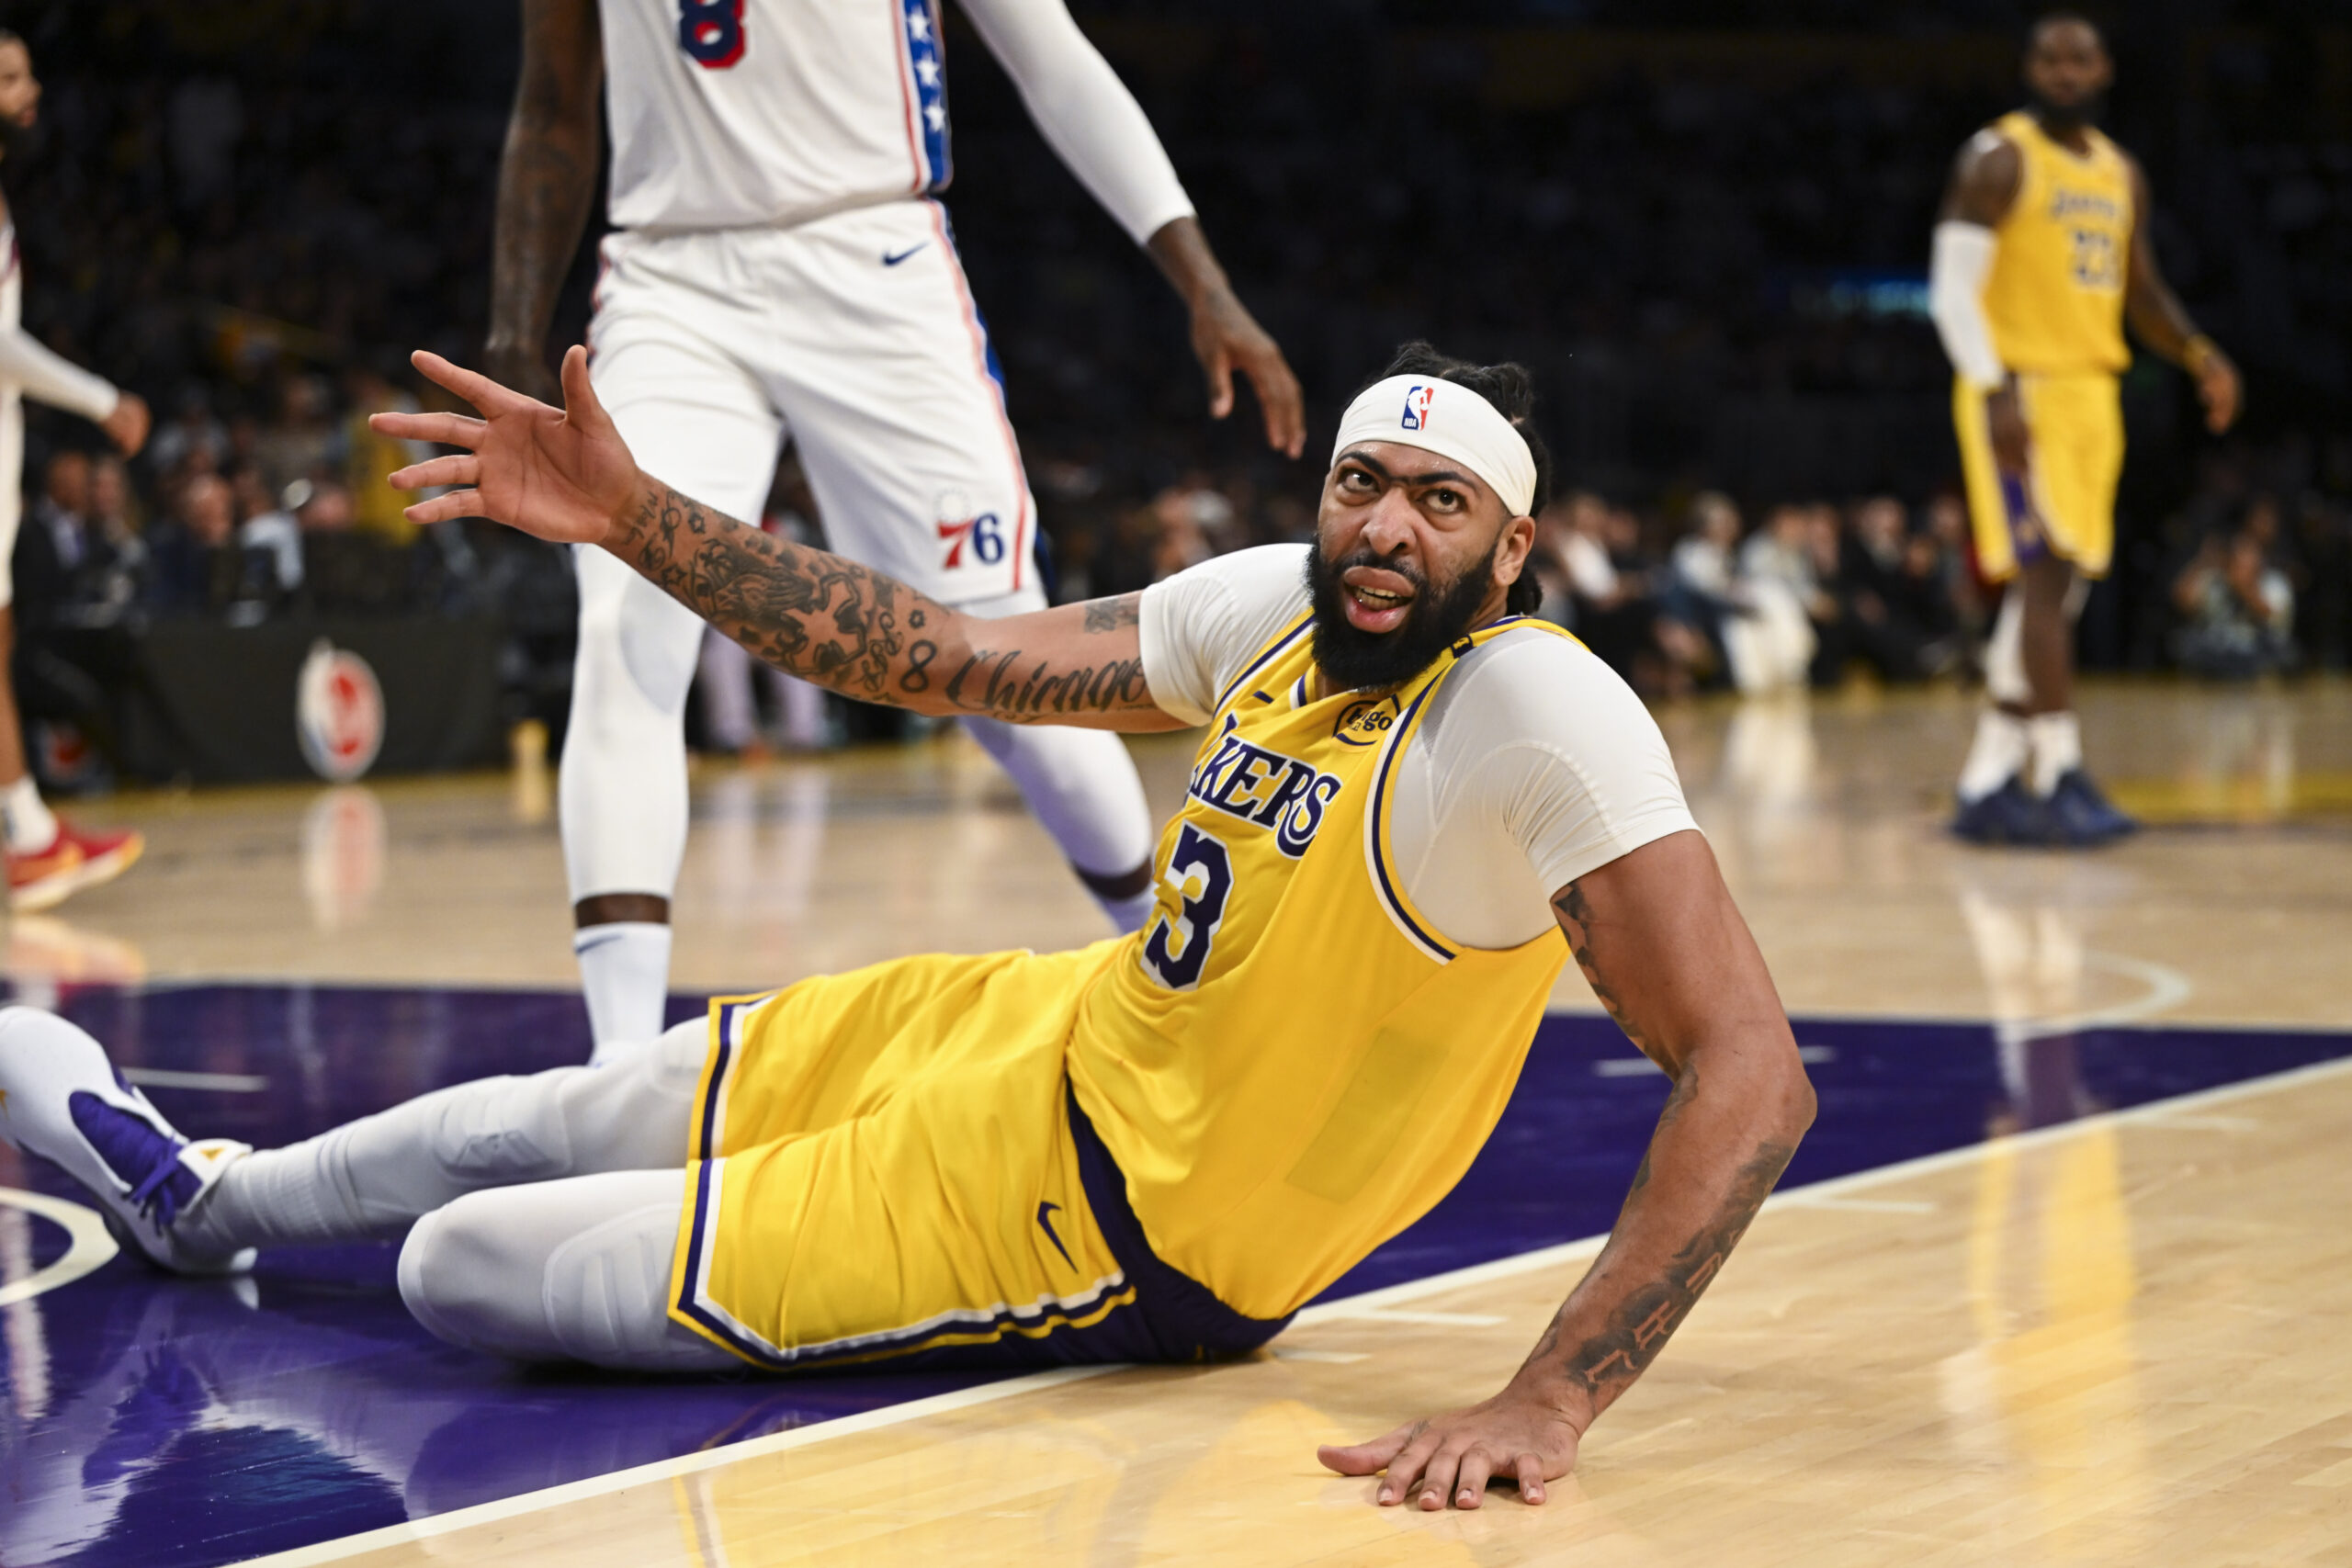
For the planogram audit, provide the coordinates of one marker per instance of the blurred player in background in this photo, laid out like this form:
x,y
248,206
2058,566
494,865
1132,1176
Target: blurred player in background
x,y
780,268
48,860
2041,252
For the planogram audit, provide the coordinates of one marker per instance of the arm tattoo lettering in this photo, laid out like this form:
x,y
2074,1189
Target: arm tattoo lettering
x,y
844,627
1605,1362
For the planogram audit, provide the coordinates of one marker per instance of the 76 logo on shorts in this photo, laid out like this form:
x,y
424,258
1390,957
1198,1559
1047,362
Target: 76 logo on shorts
x,y
984,534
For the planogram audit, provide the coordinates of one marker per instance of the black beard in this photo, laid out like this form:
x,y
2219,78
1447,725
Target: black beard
x,y
1364,661
2067,116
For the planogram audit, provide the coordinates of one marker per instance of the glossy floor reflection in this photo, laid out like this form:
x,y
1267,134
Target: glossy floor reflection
x,y
154,1421
2044,1346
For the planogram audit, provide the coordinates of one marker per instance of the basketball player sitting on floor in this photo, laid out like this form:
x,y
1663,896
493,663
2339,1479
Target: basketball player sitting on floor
x,y
1156,1149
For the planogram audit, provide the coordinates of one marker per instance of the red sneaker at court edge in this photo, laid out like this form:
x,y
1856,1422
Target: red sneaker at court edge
x,y
73,861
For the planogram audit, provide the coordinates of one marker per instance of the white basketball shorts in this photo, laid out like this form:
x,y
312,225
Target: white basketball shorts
x,y
855,334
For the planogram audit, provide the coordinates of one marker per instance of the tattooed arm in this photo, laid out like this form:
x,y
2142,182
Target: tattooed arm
x,y
546,178
566,475
1657,935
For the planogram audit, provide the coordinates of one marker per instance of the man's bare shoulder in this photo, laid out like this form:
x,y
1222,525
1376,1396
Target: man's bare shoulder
x,y
1985,178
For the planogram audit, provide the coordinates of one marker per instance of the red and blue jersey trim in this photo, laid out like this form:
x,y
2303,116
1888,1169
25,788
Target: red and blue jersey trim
x,y
922,63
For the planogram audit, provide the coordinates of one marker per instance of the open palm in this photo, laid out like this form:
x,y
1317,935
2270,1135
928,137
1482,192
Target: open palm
x,y
560,474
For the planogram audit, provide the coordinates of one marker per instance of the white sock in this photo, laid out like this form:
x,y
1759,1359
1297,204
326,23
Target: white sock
x,y
1994,757
2056,742
29,824
625,975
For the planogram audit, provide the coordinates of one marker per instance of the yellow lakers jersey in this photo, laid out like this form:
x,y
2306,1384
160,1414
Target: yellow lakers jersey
x,y
2055,296
1290,1065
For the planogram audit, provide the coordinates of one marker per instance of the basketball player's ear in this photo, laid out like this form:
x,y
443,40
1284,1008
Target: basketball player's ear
x,y
1513,549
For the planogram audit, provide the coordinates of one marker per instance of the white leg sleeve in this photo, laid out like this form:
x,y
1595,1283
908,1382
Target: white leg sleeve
x,y
2005,679
622,791
371,1178
696,419
570,1271
1084,787
728,708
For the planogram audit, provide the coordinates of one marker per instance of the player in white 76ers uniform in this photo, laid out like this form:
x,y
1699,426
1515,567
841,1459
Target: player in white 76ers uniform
x,y
780,267
49,860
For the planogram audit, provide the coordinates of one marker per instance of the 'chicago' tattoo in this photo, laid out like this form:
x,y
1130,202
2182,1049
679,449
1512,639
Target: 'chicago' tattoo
x,y
854,630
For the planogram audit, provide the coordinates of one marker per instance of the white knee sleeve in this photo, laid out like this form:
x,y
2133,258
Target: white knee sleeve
x,y
565,1271
1082,786
622,796
498,1131
373,1176
2005,679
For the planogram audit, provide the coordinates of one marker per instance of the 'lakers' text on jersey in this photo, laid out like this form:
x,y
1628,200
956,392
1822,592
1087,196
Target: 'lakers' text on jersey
x,y
1293,1064
2055,295
1266,788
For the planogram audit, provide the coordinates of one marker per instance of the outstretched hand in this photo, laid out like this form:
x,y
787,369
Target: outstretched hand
x,y
1226,338
558,474
1514,1436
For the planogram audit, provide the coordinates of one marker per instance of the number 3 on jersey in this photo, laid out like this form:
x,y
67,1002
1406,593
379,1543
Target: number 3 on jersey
x,y
711,32
1179,945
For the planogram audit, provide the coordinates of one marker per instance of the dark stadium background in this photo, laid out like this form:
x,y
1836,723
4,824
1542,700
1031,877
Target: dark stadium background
x,y
1705,226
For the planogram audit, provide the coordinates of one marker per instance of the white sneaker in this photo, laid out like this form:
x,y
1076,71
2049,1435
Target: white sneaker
x,y
61,1098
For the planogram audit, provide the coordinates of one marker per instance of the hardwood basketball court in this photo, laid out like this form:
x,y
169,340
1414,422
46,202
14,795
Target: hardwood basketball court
x,y
2065,1287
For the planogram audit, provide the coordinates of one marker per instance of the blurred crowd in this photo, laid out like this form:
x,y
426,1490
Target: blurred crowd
x,y
238,519
1711,260
1693,593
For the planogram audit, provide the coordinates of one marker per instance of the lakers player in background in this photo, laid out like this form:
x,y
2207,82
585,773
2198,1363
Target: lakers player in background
x,y
2041,254
1412,804
49,859
781,267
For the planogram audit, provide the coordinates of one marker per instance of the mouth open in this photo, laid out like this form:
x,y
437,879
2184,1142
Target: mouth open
x,y
1376,601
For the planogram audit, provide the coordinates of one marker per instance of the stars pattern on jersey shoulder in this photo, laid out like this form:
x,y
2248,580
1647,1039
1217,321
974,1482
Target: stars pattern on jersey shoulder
x,y
923,58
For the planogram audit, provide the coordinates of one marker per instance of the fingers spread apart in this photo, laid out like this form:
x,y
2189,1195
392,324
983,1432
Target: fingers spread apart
x,y
462,469
441,508
448,429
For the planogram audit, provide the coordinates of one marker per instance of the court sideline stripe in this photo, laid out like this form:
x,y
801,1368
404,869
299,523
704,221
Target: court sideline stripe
x,y
1371,1302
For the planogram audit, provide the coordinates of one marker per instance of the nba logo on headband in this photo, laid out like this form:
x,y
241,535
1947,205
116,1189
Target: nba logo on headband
x,y
1476,433
1417,407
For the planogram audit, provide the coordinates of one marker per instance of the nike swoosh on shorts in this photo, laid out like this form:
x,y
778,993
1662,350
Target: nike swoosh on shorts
x,y
889,260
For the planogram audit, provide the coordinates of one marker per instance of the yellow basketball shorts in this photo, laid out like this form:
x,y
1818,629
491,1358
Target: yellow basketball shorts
x,y
2064,502
890,1164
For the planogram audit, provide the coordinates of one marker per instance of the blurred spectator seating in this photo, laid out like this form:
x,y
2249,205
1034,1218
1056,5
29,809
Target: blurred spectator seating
x,y
2236,606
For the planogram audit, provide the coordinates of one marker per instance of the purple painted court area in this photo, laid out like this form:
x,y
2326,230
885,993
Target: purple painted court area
x,y
163,1422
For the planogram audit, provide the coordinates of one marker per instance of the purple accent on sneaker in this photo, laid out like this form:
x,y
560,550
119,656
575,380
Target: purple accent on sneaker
x,y
140,1155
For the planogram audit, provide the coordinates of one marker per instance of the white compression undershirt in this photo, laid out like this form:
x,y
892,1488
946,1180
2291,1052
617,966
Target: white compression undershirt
x,y
1534,764
1083,110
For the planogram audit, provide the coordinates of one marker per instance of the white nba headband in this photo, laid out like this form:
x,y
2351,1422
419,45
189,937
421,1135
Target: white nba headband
x,y
1450,419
